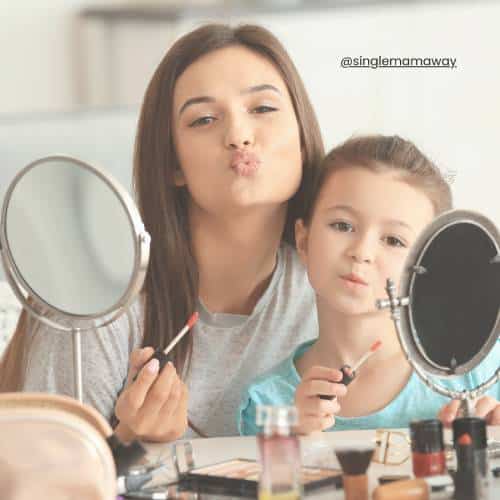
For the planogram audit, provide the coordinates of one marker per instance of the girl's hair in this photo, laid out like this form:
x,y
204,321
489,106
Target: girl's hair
x,y
171,286
380,153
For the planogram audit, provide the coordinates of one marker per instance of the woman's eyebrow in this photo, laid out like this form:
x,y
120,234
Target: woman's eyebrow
x,y
249,90
260,88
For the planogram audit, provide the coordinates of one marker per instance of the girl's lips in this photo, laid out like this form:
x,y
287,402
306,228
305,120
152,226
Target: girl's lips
x,y
245,163
354,278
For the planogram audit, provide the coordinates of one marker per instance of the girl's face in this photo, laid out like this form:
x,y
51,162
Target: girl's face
x,y
362,228
235,132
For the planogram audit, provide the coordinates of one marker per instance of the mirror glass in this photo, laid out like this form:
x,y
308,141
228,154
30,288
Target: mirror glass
x,y
70,237
455,304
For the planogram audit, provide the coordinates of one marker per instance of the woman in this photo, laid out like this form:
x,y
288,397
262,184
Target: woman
x,y
226,148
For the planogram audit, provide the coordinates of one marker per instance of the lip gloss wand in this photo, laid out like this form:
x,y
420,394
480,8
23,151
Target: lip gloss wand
x,y
349,373
163,356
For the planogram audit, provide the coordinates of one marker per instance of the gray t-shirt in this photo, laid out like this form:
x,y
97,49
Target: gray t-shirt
x,y
229,350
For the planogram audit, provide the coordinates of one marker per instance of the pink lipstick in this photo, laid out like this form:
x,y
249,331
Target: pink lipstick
x,y
245,163
163,355
349,372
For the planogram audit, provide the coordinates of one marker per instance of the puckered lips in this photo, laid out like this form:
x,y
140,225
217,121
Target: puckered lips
x,y
245,163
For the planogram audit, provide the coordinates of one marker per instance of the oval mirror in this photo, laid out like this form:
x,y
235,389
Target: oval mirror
x,y
451,287
71,236
452,278
73,245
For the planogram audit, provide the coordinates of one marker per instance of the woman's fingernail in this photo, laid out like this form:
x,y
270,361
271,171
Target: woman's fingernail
x,y
153,366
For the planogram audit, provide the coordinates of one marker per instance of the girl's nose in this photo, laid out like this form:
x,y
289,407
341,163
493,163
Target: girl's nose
x,y
362,250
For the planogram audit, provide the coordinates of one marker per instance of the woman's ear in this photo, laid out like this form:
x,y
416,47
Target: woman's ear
x,y
301,237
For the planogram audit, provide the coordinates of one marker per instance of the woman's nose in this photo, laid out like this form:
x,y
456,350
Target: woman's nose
x,y
239,133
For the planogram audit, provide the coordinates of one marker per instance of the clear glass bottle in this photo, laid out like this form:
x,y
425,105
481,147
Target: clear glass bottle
x,y
279,452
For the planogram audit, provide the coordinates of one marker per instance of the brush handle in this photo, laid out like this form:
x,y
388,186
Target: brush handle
x,y
161,357
356,487
346,380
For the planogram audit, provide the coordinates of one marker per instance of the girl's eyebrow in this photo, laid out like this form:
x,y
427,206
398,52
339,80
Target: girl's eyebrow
x,y
347,208
249,90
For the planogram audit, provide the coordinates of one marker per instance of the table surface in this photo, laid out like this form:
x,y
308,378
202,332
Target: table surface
x,y
212,450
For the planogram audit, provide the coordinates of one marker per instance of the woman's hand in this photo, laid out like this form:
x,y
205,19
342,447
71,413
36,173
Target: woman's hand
x,y
316,414
154,406
486,407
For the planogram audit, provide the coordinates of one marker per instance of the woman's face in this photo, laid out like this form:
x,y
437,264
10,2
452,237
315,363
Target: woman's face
x,y
363,226
235,133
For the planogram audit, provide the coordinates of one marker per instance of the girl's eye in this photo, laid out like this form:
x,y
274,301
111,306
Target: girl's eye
x,y
343,227
395,242
204,120
264,109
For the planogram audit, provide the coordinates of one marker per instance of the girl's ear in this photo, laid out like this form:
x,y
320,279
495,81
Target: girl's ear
x,y
301,237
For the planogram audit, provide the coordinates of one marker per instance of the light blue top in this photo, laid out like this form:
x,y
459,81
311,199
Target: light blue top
x,y
416,401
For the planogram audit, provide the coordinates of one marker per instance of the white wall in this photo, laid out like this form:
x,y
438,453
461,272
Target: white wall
x,y
453,115
38,44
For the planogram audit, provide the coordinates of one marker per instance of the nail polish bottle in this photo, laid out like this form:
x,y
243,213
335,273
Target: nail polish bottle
x,y
279,453
427,446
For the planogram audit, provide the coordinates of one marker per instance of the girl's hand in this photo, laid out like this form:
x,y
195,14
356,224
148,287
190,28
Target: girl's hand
x,y
154,406
486,407
316,414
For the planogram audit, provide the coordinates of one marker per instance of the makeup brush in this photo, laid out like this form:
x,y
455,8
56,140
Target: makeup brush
x,y
349,373
354,460
162,356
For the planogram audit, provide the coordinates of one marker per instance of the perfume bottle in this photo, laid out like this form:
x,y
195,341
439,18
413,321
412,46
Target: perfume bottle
x,y
279,453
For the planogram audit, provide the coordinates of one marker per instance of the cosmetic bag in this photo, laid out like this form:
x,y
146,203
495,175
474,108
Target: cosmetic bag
x,y
53,447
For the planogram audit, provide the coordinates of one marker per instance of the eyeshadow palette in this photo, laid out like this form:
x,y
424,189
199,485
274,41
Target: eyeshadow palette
x,y
241,477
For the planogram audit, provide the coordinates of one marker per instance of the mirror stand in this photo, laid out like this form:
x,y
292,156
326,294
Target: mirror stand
x,y
467,397
77,364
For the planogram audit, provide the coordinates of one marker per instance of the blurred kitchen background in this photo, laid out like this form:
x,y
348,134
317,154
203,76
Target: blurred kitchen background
x,y
73,73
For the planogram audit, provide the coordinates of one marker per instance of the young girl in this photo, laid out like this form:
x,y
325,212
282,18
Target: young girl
x,y
373,197
226,146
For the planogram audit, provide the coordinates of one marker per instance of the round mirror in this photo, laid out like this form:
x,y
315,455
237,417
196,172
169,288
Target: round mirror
x,y
72,240
451,287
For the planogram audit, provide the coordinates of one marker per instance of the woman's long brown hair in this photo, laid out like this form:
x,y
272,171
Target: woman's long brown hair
x,y
171,286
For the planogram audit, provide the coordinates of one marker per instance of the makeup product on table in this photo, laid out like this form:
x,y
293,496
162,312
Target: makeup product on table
x,y
349,373
427,446
414,489
476,428
240,478
354,460
163,355
279,453
136,478
470,441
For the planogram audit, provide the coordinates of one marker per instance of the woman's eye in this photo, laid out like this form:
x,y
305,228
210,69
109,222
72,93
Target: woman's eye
x,y
264,109
395,242
204,120
343,227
